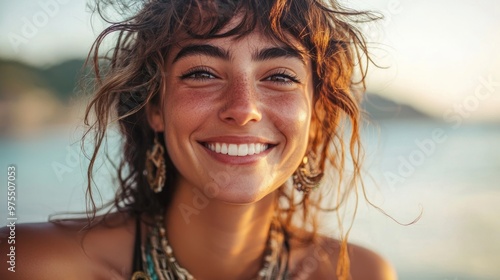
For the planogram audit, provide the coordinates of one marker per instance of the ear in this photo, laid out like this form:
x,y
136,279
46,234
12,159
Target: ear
x,y
155,117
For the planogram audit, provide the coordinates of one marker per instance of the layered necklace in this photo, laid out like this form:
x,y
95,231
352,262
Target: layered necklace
x,y
159,262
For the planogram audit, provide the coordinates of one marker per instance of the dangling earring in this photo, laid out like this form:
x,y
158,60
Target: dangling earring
x,y
155,166
307,176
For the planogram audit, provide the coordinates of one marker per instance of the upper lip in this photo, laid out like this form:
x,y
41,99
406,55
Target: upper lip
x,y
237,140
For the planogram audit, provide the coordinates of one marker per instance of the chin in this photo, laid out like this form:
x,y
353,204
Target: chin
x,y
242,195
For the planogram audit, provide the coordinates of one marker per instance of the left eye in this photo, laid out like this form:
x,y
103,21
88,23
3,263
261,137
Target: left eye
x,y
283,78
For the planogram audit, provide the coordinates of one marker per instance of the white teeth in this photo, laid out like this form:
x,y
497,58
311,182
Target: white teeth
x,y
242,150
258,148
251,149
237,149
232,150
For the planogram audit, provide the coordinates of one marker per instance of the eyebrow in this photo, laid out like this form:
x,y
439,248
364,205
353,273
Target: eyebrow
x,y
208,50
277,52
217,52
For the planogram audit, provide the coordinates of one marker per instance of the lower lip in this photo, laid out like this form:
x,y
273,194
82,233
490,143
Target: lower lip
x,y
237,160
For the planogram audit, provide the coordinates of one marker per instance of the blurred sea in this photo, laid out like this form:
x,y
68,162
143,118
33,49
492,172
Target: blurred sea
x,y
455,182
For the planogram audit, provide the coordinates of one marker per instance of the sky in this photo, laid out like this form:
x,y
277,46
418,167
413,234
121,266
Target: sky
x,y
438,56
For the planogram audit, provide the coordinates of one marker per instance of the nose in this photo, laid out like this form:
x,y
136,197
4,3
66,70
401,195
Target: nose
x,y
241,104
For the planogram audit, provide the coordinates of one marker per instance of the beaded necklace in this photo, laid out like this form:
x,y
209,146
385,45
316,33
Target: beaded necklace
x,y
159,262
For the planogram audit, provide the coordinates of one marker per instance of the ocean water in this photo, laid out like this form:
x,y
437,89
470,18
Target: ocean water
x,y
451,174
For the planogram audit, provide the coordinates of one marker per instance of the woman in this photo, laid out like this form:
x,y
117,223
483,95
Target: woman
x,y
231,113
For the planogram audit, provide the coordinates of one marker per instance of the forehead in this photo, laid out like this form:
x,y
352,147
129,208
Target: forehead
x,y
258,44
253,40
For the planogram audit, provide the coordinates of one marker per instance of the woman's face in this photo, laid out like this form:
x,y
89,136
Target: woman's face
x,y
236,115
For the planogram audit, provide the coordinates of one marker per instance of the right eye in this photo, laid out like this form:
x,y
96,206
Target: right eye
x,y
198,73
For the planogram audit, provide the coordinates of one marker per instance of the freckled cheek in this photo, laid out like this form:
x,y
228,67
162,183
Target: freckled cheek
x,y
293,120
185,112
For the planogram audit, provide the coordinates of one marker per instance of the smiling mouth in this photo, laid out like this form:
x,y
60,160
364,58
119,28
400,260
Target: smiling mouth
x,y
238,150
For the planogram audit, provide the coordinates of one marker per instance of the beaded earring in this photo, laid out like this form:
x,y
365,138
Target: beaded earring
x,y
307,176
155,166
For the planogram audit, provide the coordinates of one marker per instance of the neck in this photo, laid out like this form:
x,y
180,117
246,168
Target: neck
x,y
213,239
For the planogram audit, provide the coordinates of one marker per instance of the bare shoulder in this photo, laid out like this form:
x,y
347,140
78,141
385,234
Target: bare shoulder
x,y
367,264
40,251
319,261
55,251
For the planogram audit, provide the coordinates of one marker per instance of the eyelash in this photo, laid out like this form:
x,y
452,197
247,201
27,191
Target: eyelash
x,y
287,78
191,74
292,79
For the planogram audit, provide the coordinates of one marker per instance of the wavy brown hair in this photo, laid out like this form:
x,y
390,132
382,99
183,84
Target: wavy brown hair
x,y
130,74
